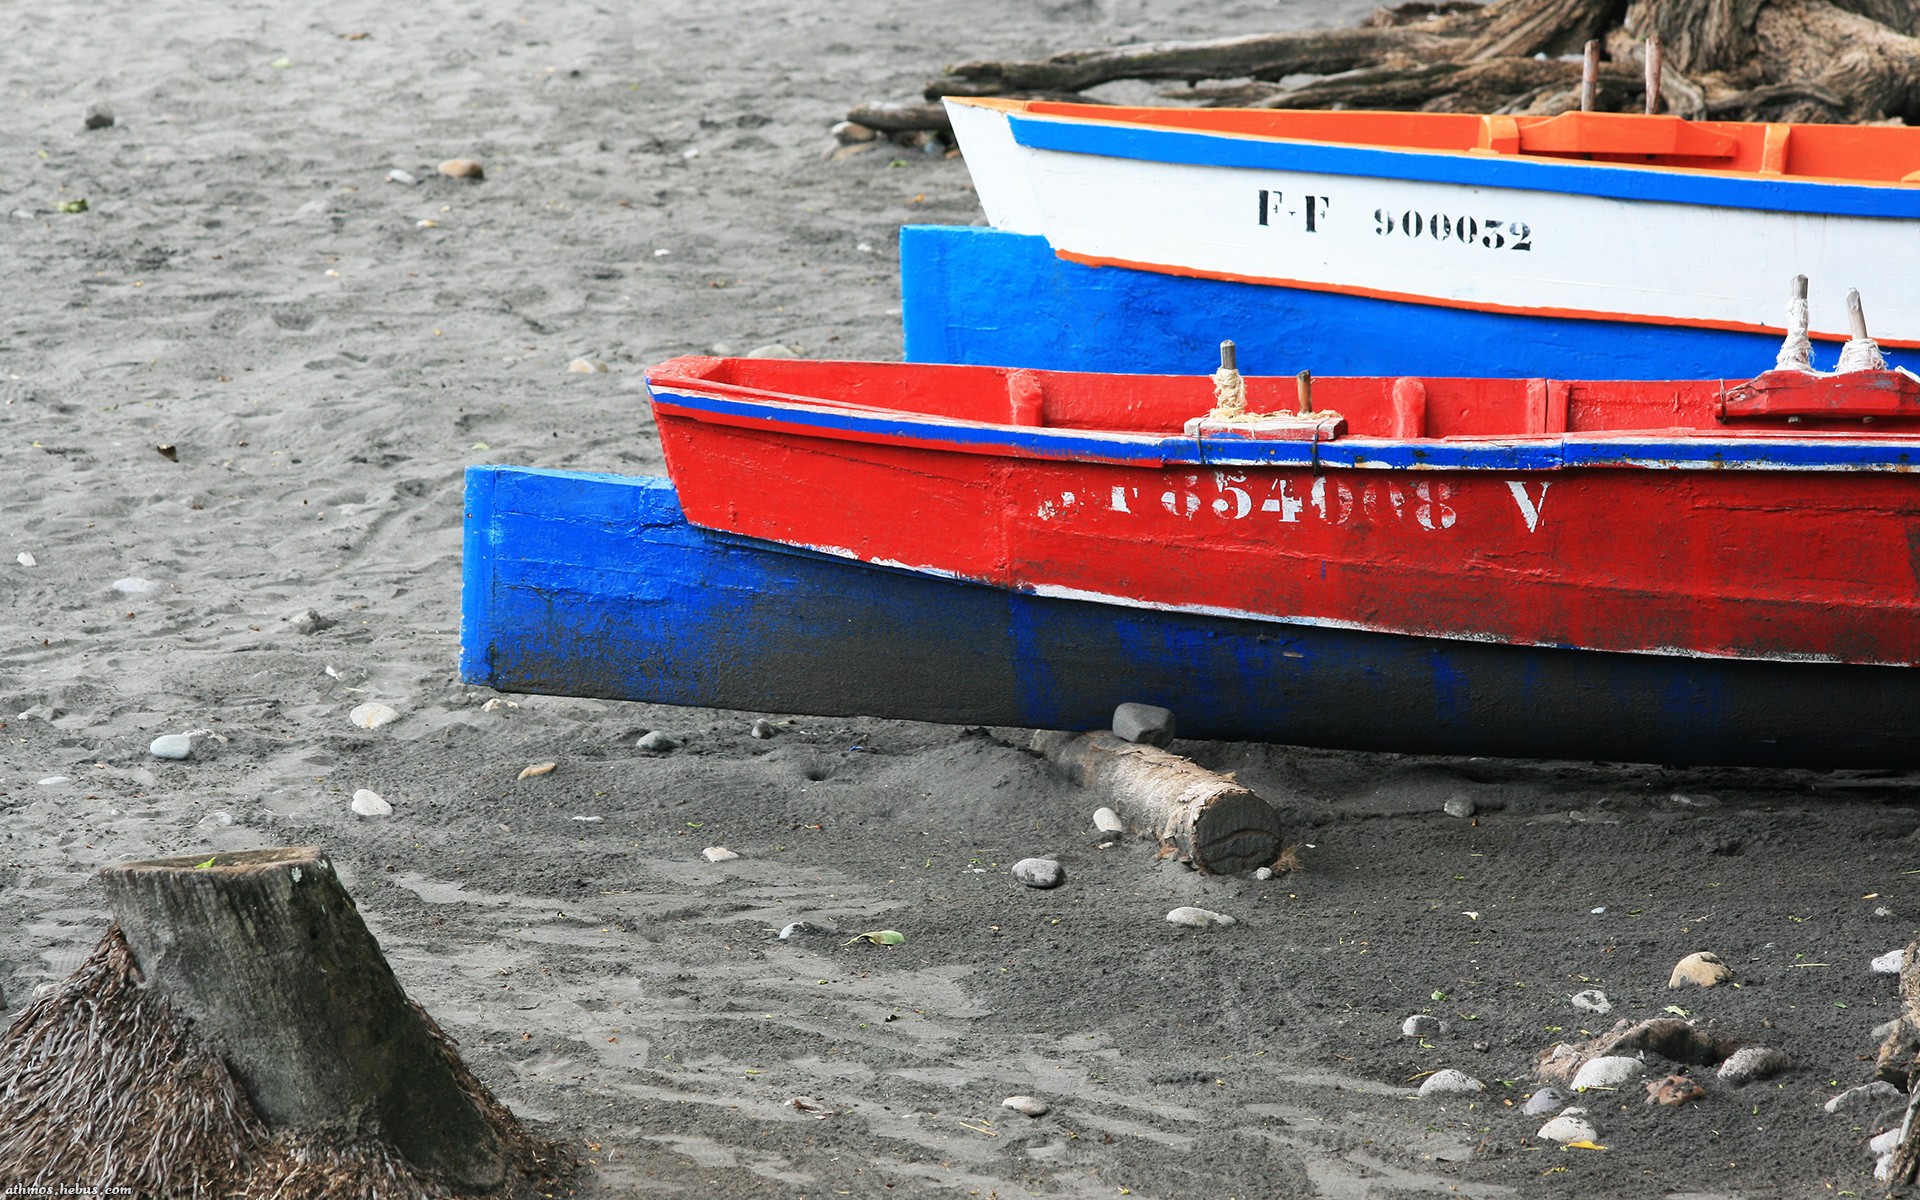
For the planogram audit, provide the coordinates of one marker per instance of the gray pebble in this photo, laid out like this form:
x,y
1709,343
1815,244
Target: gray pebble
x,y
1546,1100
309,621
133,585
1889,963
1451,1083
1421,1025
1880,1031
1030,1105
171,745
794,929
658,742
99,116
1609,1071
1039,872
772,350
1884,1143
1592,1000
371,804
1754,1062
1867,1095
763,729
1148,724
1263,874
373,715
1108,821
719,854
55,780
1459,806
1186,914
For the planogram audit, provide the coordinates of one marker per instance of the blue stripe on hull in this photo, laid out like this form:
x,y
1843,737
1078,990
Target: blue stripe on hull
x,y
981,296
1707,189
594,585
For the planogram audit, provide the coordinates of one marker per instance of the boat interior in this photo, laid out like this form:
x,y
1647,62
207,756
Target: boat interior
x,y
1839,153
1860,403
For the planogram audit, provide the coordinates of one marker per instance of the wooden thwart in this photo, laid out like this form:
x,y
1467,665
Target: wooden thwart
x,y
1212,822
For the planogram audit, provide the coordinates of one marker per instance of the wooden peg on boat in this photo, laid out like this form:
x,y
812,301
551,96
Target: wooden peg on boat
x,y
1861,353
1229,390
1303,386
1796,353
1590,76
1654,57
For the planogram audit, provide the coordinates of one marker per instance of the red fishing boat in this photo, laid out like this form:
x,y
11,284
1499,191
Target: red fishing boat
x,y
1768,519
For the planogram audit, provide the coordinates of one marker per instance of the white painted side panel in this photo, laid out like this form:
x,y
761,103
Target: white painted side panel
x,y
1469,245
986,140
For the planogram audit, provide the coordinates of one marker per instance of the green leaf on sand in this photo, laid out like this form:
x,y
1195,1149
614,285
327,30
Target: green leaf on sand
x,y
881,937
203,866
73,206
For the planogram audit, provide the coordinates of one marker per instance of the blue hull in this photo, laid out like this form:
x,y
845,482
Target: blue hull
x,y
594,585
980,296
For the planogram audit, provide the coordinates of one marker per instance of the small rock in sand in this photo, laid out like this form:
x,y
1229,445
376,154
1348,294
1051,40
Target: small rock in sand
x,y
373,715
171,745
537,770
1421,1025
1451,1083
1039,872
133,585
1199,918
657,742
1030,1105
371,804
1146,724
398,176
1674,1089
463,168
221,819
772,350
793,929
1263,874
1108,821
27,560
309,621
1458,806
1866,1096
1889,963
587,366
1609,1071
762,729
852,133
1704,969
1546,1100
1754,1062
1564,1128
55,780
718,854
99,116
1592,1000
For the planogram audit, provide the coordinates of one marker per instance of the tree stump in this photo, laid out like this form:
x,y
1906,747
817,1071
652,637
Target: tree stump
x,y
1208,820
266,954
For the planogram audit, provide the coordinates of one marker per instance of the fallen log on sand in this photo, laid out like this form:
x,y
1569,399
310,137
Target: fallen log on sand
x,y
237,1032
1208,820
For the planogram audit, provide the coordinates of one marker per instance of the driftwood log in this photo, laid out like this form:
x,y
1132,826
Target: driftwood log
x,y
237,1032
1758,60
1899,1064
1218,826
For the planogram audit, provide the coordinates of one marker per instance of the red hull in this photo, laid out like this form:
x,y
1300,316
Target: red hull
x,y
1810,554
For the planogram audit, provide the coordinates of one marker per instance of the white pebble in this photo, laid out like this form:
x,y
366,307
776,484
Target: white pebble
x,y
762,729
773,350
1610,1071
373,716
1263,874
793,927
588,820
718,854
1884,1143
1592,1000
133,585
1564,1128
1451,1083
55,781
1108,821
661,252
398,176
171,745
28,560
1186,914
1889,963
1030,1105
1458,806
370,804
587,366
222,819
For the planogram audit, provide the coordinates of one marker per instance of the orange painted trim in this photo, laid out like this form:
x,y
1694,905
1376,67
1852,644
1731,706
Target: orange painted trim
x,y
1518,310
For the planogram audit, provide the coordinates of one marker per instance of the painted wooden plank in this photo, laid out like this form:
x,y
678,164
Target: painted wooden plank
x,y
1523,237
594,585
985,296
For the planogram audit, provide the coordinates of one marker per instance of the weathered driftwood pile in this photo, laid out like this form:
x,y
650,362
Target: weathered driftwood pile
x,y
237,1033
1752,60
